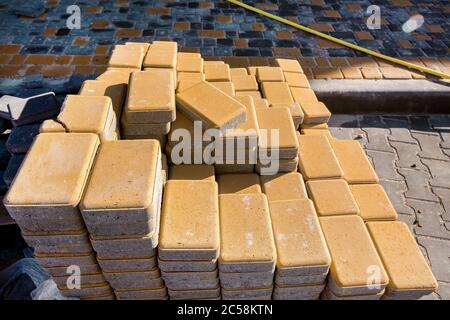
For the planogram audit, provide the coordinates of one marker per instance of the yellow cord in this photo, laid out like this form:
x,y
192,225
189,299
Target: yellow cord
x,y
342,42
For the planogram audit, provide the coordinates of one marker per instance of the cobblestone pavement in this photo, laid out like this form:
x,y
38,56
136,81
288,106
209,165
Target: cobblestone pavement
x,y
411,155
44,47
220,28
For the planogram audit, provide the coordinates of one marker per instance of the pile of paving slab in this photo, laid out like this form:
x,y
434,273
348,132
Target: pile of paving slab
x,y
103,192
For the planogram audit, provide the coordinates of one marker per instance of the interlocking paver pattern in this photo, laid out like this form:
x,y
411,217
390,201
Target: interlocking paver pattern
x,y
413,164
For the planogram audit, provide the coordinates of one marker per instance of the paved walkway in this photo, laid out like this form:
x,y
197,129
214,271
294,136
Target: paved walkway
x,y
43,48
411,155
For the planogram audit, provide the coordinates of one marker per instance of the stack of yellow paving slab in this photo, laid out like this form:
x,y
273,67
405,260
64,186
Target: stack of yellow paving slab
x,y
247,257
161,54
300,273
313,111
127,56
303,260
43,200
236,150
87,114
410,276
121,208
189,242
244,84
260,201
278,144
284,186
150,105
356,270
116,91
276,90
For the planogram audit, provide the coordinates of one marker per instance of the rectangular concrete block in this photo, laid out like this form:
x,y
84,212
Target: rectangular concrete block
x,y
280,120
276,92
303,95
51,180
238,72
248,294
147,294
61,260
90,114
354,162
295,109
196,103
189,62
373,202
252,93
284,186
116,91
90,269
245,280
266,74
301,280
247,243
409,273
312,148
87,292
194,294
191,285
309,292
125,187
123,265
295,225
187,266
317,132
126,248
352,255
329,295
194,236
289,65
245,83
217,72
151,106
315,112
160,56
117,75
296,80
136,280
124,56
225,86
61,243
332,197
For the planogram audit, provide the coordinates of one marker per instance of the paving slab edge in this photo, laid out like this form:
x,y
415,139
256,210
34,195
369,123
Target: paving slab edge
x,y
384,96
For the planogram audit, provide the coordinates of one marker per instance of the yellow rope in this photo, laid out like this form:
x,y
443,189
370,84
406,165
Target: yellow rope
x,y
342,42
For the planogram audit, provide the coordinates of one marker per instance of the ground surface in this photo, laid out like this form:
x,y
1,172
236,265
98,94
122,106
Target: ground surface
x,y
36,51
411,155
